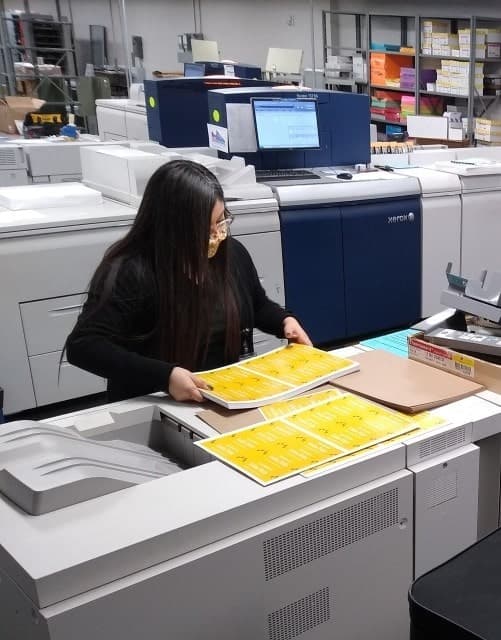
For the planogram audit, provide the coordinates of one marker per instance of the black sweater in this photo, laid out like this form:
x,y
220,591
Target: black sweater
x,y
133,367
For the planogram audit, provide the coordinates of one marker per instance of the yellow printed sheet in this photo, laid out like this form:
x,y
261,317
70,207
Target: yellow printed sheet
x,y
293,405
297,364
420,423
351,422
237,384
316,432
271,451
274,376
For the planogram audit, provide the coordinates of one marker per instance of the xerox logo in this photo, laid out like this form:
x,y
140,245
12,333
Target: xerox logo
x,y
407,217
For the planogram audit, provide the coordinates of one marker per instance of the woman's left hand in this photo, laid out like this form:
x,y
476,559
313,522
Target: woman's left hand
x,y
294,332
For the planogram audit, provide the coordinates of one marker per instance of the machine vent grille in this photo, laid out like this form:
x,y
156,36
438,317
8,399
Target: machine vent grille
x,y
300,616
304,544
444,488
442,442
8,157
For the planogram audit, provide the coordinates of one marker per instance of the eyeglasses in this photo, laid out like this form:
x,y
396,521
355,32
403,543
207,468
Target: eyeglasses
x,y
223,225
220,229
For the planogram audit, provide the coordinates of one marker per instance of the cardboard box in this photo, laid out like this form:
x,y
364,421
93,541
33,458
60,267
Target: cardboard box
x,y
465,366
14,108
493,50
430,26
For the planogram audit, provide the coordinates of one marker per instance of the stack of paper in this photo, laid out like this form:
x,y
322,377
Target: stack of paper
x,y
306,432
279,374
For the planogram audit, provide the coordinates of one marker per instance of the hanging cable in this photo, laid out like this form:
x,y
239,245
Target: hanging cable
x,y
195,16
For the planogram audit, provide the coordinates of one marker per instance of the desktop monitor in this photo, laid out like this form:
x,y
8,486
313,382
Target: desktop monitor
x,y
286,123
199,69
194,69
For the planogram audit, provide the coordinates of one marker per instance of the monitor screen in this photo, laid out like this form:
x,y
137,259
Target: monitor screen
x,y
286,123
194,69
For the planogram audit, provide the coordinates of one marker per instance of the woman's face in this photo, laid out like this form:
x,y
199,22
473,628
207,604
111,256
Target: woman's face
x,y
218,228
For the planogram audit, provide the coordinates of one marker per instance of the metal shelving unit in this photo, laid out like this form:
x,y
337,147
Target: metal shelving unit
x,y
476,103
333,22
407,31
483,103
30,37
423,58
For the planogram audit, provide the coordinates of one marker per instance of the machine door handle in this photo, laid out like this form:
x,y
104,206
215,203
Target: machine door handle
x,y
65,310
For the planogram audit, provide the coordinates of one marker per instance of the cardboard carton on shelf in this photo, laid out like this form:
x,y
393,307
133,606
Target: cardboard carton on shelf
x,y
14,108
27,88
474,369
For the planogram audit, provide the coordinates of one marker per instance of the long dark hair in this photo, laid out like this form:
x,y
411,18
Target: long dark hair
x,y
168,244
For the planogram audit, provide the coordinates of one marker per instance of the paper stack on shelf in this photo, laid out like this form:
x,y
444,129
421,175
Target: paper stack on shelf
x,y
385,68
464,49
407,78
488,130
493,43
387,104
339,67
454,77
408,107
429,28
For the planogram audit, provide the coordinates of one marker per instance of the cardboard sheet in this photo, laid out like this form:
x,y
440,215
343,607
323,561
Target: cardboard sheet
x,y
404,384
225,420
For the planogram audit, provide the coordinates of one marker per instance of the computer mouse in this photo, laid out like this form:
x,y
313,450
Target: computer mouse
x,y
344,175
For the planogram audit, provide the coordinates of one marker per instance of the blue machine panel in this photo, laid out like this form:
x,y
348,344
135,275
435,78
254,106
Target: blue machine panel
x,y
382,264
176,108
239,70
312,254
343,121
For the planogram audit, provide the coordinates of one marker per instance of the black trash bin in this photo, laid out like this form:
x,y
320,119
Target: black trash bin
x,y
461,599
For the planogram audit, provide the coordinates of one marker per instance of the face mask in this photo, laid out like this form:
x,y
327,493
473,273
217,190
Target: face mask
x,y
215,240
214,243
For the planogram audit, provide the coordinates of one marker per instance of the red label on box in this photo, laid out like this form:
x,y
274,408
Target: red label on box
x,y
430,348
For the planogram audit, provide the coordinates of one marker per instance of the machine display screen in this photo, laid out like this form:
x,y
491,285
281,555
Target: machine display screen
x,y
193,70
286,123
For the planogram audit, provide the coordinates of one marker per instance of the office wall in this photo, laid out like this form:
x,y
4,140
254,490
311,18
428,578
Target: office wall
x,y
244,30
159,22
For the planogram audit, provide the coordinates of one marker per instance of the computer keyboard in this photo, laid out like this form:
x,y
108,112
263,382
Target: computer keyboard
x,y
264,175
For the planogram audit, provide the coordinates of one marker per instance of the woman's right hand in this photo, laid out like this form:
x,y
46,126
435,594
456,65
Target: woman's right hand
x,y
184,386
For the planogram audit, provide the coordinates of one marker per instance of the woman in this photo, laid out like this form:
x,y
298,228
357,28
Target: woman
x,y
175,295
